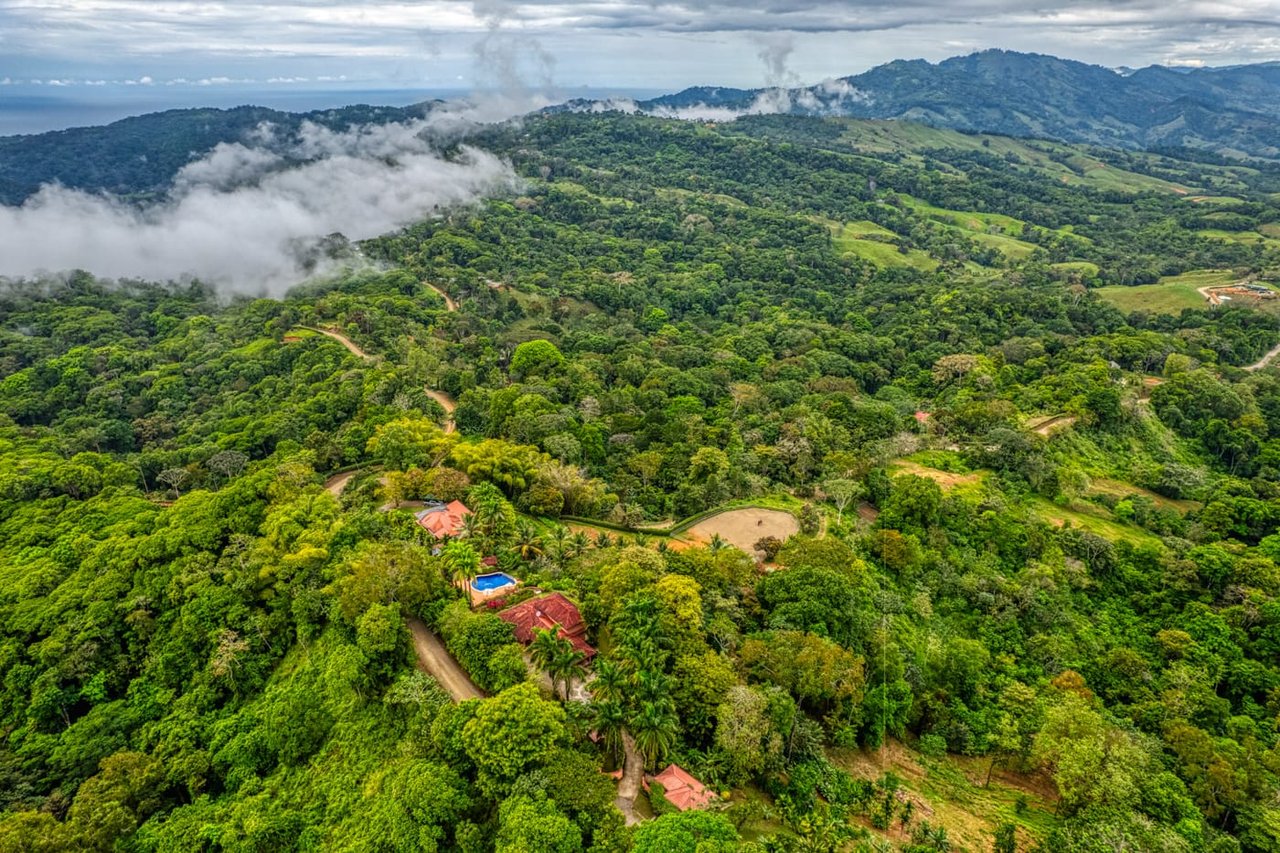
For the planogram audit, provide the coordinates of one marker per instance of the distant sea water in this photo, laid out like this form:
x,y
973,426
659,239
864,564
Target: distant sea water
x,y
37,109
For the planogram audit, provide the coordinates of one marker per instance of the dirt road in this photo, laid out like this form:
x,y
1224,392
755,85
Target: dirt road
x,y
342,339
449,304
1265,360
434,660
337,484
448,404
1051,425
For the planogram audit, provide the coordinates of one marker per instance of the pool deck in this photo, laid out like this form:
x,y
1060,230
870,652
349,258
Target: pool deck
x,y
480,596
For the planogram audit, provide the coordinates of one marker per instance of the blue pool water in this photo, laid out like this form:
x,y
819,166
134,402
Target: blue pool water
x,y
497,580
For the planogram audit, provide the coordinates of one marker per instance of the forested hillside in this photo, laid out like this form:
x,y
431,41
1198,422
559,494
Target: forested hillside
x,y
882,519
1234,110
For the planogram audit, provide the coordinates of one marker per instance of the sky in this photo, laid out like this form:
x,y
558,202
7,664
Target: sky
x,y
196,47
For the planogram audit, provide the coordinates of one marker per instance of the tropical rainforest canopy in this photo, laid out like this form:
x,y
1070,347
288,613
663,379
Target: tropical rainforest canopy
x,y
1032,603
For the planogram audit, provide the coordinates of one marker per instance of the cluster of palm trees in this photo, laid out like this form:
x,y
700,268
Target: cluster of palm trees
x,y
632,693
557,657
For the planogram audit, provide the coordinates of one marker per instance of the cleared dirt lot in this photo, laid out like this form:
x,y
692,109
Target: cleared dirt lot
x,y
741,528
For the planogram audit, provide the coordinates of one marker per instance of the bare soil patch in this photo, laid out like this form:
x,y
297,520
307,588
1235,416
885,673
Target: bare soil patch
x,y
742,528
945,479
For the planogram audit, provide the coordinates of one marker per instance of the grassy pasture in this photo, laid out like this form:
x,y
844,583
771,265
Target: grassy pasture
x,y
1168,296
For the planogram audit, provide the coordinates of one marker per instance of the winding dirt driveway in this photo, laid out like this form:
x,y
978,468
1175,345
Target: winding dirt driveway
x,y
433,658
342,339
435,661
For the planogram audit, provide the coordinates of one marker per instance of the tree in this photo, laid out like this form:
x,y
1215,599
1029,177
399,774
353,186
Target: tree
x,y
228,463
655,728
446,484
536,358
534,823
395,573
511,733
841,493
461,561
745,734
528,545
174,478
552,653
1093,763
686,832
408,442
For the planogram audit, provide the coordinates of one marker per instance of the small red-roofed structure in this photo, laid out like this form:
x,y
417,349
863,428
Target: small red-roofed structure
x,y
681,790
551,612
443,520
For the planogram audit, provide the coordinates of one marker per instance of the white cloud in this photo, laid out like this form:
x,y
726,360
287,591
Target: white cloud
x,y
239,216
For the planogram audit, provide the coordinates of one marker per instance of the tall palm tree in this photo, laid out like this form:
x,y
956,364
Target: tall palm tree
x,y
566,666
528,545
654,728
612,682
548,650
610,722
461,561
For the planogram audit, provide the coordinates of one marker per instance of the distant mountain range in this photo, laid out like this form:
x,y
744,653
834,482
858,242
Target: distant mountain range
x,y
1230,111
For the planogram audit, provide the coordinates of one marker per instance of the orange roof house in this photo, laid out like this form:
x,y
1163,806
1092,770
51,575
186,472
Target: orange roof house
x,y
681,790
443,520
551,612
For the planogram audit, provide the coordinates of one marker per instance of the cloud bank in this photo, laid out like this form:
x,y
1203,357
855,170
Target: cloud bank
x,y
244,216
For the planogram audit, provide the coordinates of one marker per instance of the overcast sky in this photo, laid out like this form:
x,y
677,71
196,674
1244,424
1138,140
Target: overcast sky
x,y
434,44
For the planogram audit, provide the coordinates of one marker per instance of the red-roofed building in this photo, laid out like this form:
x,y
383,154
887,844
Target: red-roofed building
x,y
551,612
681,790
443,520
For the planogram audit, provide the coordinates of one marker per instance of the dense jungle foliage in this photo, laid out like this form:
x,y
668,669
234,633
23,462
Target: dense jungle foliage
x,y
1033,604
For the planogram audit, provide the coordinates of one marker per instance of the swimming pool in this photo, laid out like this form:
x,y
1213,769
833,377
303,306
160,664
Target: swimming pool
x,y
490,582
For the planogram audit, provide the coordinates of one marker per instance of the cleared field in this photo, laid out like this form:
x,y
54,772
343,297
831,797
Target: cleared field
x,y
948,480
1087,269
1249,238
1014,249
950,790
1121,489
1065,163
863,228
1271,229
884,254
742,528
1094,519
1170,295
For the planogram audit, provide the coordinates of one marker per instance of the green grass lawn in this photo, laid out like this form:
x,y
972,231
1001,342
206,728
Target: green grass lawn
x,y
1170,295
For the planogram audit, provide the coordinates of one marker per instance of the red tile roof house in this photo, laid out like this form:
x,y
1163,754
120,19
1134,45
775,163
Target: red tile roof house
x,y
443,520
681,790
551,612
